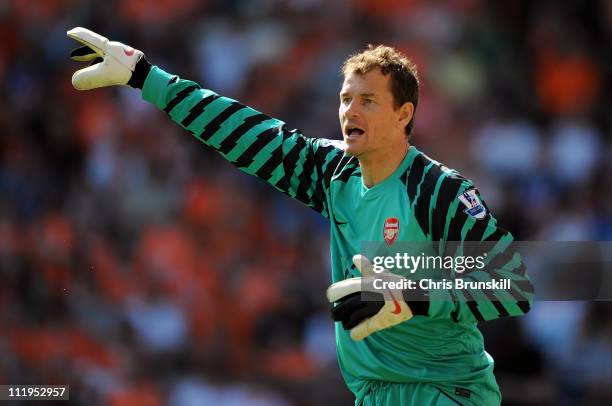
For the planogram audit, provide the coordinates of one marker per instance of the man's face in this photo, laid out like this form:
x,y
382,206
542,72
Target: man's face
x,y
369,121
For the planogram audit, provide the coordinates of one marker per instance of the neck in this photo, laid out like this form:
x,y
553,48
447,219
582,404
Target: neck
x,y
377,168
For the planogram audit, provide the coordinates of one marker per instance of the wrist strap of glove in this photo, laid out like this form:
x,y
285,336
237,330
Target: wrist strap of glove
x,y
140,73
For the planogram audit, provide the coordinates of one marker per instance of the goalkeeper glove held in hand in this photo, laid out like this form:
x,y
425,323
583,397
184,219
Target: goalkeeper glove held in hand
x,y
361,308
112,63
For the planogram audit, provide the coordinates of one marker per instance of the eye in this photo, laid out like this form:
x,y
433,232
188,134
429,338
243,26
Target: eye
x,y
345,100
368,101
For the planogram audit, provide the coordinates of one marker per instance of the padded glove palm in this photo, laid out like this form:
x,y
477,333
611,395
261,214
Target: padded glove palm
x,y
364,310
112,63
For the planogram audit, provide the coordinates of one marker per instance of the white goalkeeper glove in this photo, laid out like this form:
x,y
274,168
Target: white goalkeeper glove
x,y
112,63
361,308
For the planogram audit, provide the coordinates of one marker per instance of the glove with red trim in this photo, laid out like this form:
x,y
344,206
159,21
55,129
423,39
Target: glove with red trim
x,y
365,307
112,63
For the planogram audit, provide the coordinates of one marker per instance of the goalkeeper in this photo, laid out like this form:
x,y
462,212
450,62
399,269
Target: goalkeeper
x,y
414,347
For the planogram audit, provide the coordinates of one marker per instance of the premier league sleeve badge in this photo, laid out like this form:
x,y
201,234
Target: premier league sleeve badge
x,y
474,207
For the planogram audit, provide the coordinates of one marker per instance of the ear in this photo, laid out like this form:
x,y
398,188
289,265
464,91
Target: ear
x,y
406,113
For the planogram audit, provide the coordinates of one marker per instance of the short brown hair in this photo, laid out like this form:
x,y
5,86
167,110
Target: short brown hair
x,y
404,79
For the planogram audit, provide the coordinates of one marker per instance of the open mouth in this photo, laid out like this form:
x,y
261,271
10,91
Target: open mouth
x,y
354,131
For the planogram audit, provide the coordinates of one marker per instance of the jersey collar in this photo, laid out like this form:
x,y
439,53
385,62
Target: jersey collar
x,y
403,167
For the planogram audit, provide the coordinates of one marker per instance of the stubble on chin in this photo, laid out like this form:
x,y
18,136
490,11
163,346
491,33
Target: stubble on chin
x,y
352,151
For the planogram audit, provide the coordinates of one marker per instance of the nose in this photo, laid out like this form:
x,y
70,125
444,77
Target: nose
x,y
351,110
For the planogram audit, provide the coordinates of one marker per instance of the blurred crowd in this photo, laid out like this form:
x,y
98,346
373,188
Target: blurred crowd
x,y
140,268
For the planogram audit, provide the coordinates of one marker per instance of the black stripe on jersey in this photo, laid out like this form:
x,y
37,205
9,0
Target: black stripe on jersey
x,y
496,235
180,96
446,195
231,140
415,175
455,315
344,161
517,295
520,300
283,185
501,259
305,179
478,228
497,264
318,195
331,168
476,248
423,202
290,161
348,171
276,157
524,306
455,225
472,305
431,180
317,204
263,139
489,243
172,80
213,126
321,157
198,109
404,177
497,303
322,154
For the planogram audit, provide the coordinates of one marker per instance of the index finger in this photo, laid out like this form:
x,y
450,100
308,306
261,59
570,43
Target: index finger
x,y
87,37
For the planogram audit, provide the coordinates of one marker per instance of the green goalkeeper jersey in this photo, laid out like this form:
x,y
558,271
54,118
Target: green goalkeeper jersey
x,y
422,201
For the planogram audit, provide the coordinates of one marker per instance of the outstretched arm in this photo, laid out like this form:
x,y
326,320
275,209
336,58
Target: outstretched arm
x,y
255,143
